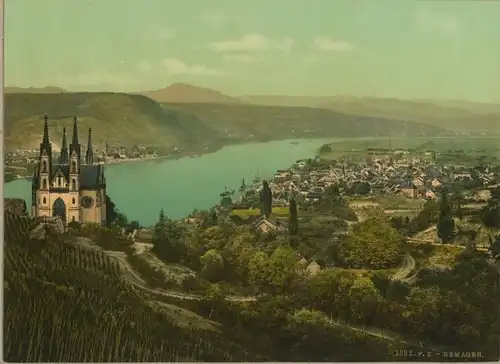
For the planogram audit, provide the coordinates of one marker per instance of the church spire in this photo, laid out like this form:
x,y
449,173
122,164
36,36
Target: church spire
x,y
64,158
75,146
45,145
89,155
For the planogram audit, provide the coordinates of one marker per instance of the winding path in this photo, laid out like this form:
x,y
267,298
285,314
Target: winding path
x,y
409,264
135,279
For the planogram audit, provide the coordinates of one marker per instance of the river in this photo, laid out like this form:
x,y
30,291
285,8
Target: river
x,y
179,186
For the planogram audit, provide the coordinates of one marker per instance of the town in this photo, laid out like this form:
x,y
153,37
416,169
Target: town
x,y
397,183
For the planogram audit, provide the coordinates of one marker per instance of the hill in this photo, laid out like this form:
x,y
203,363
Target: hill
x,y
458,116
119,119
99,317
184,93
33,90
124,119
257,122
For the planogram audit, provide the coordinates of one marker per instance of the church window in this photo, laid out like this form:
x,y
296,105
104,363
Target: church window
x,y
73,184
73,167
73,201
87,202
44,166
59,181
72,218
44,184
44,200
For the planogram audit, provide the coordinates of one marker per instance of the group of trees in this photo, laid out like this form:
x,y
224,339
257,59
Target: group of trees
x,y
457,309
372,244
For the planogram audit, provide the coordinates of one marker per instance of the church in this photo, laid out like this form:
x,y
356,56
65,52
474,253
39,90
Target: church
x,y
68,187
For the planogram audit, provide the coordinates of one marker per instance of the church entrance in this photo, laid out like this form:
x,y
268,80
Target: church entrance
x,y
59,209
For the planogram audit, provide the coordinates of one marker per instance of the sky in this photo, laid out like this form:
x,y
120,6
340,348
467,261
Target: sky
x,y
384,48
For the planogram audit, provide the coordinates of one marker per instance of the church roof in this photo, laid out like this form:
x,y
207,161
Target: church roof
x,y
89,174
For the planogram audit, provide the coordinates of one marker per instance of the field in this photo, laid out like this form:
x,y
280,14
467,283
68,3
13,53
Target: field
x,y
428,255
358,148
247,213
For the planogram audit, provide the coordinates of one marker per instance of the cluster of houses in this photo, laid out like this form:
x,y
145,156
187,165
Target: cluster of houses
x,y
413,178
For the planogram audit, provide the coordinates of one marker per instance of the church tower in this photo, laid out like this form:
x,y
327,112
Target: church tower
x,y
89,154
74,175
45,168
64,157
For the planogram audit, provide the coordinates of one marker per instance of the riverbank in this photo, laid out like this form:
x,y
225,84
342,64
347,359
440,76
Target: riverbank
x,y
26,172
179,184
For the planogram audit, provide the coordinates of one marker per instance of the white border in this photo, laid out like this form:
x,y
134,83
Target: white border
x,y
2,84
2,114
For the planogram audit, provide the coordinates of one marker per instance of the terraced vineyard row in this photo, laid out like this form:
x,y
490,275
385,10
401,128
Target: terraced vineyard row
x,y
17,228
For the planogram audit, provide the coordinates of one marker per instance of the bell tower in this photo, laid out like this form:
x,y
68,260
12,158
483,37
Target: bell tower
x,y
64,157
89,154
44,171
74,175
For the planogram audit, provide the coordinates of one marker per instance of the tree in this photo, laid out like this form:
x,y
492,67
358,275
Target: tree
x,y
490,214
372,244
167,243
243,186
226,202
162,216
212,265
446,224
325,148
362,188
282,269
293,220
258,268
113,215
266,199
212,217
495,247
458,201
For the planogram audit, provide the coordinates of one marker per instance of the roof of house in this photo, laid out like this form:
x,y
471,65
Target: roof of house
x,y
264,220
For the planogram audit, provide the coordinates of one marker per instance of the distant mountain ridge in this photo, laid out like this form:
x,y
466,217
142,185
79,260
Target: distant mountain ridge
x,y
184,93
462,117
33,90
126,119
261,117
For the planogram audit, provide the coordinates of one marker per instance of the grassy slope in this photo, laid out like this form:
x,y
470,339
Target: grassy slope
x,y
272,122
460,116
124,119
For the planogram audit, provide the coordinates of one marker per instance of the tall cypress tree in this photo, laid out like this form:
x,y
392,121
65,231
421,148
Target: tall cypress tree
x,y
293,220
266,199
446,224
243,186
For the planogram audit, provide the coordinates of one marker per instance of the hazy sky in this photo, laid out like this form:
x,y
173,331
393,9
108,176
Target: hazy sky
x,y
401,48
